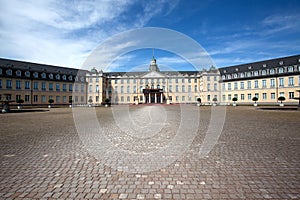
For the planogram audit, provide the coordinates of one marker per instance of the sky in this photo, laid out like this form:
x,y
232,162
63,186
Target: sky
x,y
66,33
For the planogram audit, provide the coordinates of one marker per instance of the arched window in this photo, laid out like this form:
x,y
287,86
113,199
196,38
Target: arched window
x,y
223,77
272,71
18,73
263,72
229,76
280,70
158,86
290,69
248,74
256,73
242,75
235,75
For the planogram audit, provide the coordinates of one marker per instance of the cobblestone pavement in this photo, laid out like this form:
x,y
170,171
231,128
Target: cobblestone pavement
x,y
256,157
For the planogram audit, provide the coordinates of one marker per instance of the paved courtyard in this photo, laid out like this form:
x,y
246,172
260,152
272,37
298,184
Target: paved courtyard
x,y
44,156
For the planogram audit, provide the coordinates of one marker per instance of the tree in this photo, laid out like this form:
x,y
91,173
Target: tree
x,y
20,101
199,100
70,101
255,99
281,98
51,101
90,101
215,100
234,99
107,100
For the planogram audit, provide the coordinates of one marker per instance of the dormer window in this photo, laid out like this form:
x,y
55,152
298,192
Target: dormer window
x,y
18,73
70,78
82,79
248,74
57,76
280,70
264,65
43,75
280,63
290,69
76,78
35,75
0,71
64,77
9,72
242,75
263,72
229,76
51,76
235,75
225,71
272,71
249,67
256,73
27,74
237,69
223,77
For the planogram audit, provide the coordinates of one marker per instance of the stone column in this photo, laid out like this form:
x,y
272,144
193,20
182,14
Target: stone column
x,y
161,98
149,100
155,98
144,98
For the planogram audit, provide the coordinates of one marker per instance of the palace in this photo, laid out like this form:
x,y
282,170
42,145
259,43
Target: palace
x,y
37,83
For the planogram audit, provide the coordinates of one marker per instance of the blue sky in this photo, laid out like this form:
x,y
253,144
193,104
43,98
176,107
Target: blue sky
x,y
64,33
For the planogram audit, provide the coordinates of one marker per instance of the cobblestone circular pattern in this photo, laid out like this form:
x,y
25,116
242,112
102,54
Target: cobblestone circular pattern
x,y
256,157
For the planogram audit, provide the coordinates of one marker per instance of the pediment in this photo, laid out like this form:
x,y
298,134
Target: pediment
x,y
153,75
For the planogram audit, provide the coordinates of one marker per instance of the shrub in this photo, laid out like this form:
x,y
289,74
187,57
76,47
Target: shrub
x,y
281,98
51,101
234,99
255,99
199,100
20,101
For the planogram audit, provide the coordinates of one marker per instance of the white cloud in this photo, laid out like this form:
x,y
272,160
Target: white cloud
x,y
63,32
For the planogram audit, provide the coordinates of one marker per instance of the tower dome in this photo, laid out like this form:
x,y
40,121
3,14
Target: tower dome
x,y
153,65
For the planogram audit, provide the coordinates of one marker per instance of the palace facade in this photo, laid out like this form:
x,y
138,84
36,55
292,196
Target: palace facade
x,y
37,83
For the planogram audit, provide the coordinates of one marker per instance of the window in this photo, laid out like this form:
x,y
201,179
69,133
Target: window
x,y
97,88
249,97
57,98
264,96
183,88
177,98
57,87
43,86
281,82
189,88
256,84
263,72
18,97
290,69
291,81
182,80
18,73
141,81
176,80
26,98
248,84
195,88
70,87
82,98
229,97
256,73
229,86
122,99
223,86
264,83
272,71
215,78
170,88
122,81
18,84
272,83
8,84
35,98
50,86
183,98
208,86
208,97
116,81
43,75
0,83
242,75
64,99
43,98
141,88
215,86
272,95
128,98
128,80
64,87
242,97
128,89
224,97
116,89
291,95
27,85
280,70
281,94
235,85
257,95
242,85
134,80
9,72
35,85
134,89
122,89
177,88
208,78
76,98
189,80
82,88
